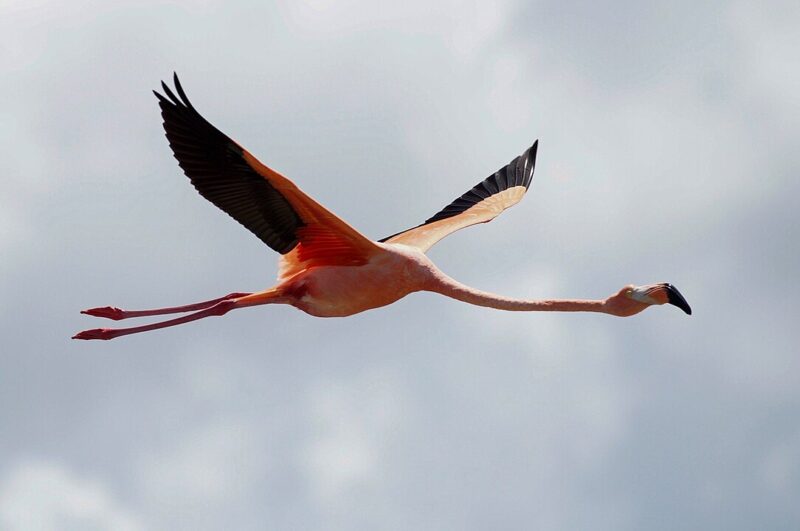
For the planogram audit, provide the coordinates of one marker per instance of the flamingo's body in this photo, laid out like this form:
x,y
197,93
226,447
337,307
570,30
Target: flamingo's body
x,y
341,291
328,269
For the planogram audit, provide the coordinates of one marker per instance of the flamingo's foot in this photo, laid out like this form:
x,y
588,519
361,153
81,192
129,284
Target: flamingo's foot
x,y
109,312
96,333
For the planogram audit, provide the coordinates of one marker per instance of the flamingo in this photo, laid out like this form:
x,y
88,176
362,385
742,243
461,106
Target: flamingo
x,y
327,268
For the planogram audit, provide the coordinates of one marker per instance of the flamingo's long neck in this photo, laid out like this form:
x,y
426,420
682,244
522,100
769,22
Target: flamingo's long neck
x,y
452,288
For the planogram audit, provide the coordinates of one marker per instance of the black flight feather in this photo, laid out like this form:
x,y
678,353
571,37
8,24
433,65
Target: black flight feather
x,y
216,167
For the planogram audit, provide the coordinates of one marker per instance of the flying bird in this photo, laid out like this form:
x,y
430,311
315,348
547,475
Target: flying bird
x,y
327,268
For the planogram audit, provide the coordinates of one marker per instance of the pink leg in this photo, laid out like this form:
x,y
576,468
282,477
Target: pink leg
x,y
220,308
110,312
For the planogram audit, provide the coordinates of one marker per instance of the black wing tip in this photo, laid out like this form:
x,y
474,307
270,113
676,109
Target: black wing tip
x,y
531,156
180,100
493,184
168,92
179,88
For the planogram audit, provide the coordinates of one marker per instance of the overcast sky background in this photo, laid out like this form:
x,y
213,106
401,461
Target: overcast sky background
x,y
669,152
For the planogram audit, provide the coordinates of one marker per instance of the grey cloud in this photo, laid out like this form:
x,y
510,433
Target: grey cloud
x,y
667,154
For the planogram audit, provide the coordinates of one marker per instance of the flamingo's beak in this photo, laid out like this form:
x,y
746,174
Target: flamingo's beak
x,y
675,298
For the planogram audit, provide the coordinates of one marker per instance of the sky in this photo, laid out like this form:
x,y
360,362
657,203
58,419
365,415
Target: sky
x,y
668,152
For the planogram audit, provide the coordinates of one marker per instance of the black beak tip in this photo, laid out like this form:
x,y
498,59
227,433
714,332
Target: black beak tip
x,y
675,298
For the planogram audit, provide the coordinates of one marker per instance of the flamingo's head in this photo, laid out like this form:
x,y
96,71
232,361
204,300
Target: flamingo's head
x,y
631,300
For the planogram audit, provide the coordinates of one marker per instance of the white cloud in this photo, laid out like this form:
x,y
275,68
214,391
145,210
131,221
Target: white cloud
x,y
779,470
47,496
462,26
353,422
25,177
767,42
574,366
211,465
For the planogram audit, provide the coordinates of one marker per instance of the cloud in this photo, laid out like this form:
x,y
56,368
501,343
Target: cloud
x,y
780,468
668,152
353,421
43,495
210,465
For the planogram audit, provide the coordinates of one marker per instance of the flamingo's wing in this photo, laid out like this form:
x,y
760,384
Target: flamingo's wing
x,y
265,202
484,202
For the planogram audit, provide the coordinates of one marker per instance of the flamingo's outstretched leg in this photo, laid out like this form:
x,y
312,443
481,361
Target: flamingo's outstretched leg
x,y
222,307
110,312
